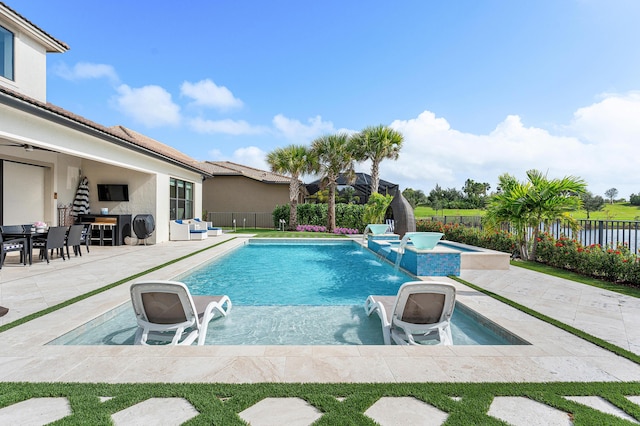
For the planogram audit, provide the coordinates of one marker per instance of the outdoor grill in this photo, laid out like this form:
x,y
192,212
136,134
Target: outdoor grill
x,y
143,226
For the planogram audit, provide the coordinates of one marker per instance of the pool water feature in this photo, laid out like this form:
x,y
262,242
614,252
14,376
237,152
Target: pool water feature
x,y
446,258
293,292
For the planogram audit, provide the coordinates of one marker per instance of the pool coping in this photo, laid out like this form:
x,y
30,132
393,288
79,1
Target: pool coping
x,y
554,355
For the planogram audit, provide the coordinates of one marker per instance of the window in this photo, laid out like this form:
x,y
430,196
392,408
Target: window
x,y
6,53
180,199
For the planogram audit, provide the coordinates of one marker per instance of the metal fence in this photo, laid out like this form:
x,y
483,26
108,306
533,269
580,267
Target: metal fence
x,y
603,232
240,220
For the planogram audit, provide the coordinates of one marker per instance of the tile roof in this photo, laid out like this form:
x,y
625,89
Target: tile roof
x,y
227,168
156,146
61,44
116,134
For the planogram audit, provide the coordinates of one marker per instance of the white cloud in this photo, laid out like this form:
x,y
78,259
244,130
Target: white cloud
x,y
207,93
599,146
250,156
86,70
215,154
300,133
615,120
226,126
149,105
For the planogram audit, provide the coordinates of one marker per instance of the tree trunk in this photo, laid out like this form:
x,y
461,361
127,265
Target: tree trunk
x,y
294,189
331,213
375,176
534,245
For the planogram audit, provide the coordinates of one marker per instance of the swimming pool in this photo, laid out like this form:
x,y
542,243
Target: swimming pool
x,y
293,292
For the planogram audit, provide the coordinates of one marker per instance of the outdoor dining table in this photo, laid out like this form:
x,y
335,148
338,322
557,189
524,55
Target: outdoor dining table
x,y
30,236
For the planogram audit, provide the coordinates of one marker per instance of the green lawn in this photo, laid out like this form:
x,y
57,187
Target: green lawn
x,y
617,211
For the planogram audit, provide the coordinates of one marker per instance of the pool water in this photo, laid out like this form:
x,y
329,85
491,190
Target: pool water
x,y
267,273
293,293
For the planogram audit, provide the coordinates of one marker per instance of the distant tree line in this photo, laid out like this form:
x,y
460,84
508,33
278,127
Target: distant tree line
x,y
473,195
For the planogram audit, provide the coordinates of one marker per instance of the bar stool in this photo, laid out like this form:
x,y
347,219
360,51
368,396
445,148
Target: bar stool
x,y
107,234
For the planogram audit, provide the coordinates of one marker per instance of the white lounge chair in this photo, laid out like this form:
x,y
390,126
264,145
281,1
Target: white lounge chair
x,y
166,312
421,311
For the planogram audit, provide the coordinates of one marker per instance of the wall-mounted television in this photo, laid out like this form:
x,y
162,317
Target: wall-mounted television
x,y
113,192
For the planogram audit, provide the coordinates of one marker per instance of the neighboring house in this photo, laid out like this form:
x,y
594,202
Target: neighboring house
x,y
361,185
46,150
238,188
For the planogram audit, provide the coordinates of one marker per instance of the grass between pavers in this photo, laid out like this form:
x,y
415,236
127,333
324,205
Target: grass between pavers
x,y
221,403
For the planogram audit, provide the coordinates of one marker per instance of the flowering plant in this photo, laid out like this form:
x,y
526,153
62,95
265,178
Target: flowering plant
x,y
311,228
40,225
345,231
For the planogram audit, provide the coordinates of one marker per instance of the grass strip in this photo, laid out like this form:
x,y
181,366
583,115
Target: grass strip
x,y
577,332
71,301
338,403
569,275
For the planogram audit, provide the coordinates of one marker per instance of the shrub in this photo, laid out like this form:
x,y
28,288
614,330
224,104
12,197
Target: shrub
x,y
607,263
280,212
350,216
500,240
347,215
376,208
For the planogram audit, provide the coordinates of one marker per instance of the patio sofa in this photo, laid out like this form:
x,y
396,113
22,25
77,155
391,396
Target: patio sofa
x,y
212,231
187,229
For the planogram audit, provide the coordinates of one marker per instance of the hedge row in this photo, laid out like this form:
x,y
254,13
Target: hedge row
x,y
347,215
617,264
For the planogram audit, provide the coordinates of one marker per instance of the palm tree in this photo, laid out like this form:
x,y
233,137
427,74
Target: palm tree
x,y
376,143
526,205
334,156
294,160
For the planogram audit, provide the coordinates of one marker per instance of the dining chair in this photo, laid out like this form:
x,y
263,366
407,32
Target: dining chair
x,y
14,244
55,239
85,238
74,239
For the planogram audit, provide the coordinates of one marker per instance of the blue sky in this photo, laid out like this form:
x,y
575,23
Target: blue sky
x,y
478,88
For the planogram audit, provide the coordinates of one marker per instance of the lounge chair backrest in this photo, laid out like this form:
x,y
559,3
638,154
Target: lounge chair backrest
x,y
422,302
423,308
167,302
163,308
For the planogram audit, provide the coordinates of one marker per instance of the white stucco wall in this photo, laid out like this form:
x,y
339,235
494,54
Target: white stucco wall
x,y
30,66
101,161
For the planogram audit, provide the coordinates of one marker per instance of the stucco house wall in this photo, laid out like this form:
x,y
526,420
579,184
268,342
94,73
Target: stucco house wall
x,y
242,194
30,60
